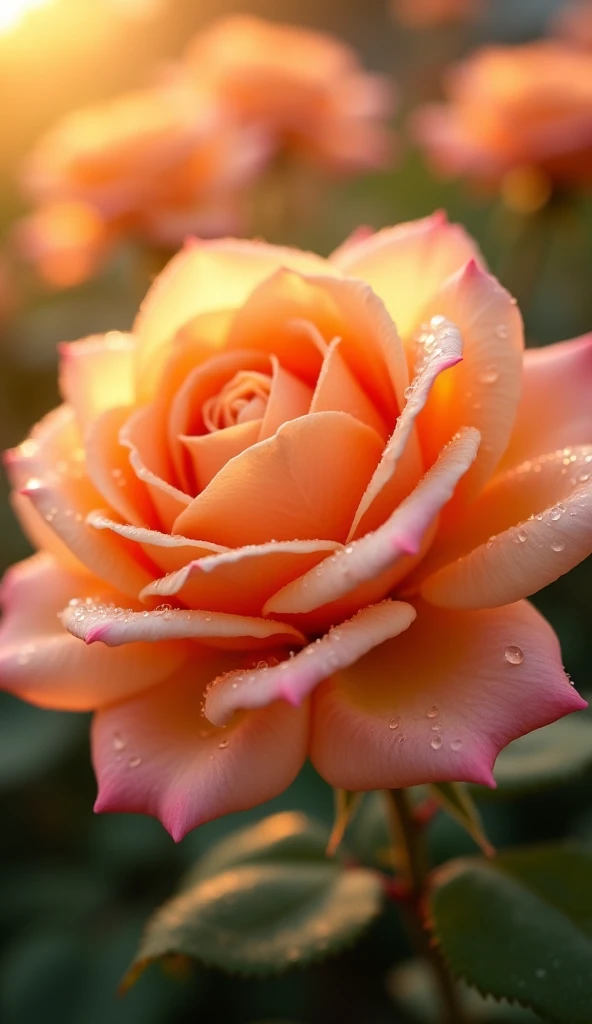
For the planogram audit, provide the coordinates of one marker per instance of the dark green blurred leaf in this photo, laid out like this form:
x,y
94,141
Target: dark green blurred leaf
x,y
413,986
520,927
546,757
33,740
455,798
262,900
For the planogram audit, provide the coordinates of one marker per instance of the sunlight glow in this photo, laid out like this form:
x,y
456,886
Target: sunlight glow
x,y
12,12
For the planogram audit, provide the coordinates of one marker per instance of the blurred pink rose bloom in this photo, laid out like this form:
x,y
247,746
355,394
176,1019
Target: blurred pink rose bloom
x,y
306,88
157,164
513,107
295,513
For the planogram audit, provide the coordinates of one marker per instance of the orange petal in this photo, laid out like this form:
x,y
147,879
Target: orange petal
x,y
204,277
149,460
115,626
446,696
240,580
108,466
295,678
538,518
401,466
405,265
169,552
295,484
157,755
209,453
97,373
42,663
380,559
484,389
556,408
272,320
338,390
289,398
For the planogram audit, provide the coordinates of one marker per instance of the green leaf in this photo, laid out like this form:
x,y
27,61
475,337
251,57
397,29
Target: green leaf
x,y
520,927
413,986
455,798
546,757
262,900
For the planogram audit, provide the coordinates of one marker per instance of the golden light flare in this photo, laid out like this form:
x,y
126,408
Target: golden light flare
x,y
13,12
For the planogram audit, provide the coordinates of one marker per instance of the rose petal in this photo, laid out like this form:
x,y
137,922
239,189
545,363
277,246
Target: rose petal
x,y
116,626
555,409
168,552
97,373
338,390
289,398
149,460
338,308
484,390
538,518
446,696
209,453
42,663
240,580
401,467
108,466
407,263
157,754
293,485
294,679
205,277
370,567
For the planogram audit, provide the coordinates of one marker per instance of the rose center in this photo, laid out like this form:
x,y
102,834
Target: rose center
x,y
241,399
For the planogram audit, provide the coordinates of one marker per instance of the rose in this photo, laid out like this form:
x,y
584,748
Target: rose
x,y
285,472
512,108
156,164
419,14
306,88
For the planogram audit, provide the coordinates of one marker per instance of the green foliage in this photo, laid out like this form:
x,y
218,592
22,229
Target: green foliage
x,y
546,757
33,739
262,900
520,927
455,798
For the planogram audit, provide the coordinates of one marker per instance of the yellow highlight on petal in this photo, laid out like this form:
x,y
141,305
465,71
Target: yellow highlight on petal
x,y
12,12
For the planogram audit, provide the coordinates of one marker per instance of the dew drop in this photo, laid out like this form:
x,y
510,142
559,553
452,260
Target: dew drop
x,y
514,655
436,742
394,722
118,741
456,745
223,744
408,391
433,711
555,513
557,545
522,536
501,331
489,375
134,762
436,726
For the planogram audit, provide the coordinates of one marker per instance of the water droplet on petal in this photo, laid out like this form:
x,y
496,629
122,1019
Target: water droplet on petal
x,y
118,741
522,536
489,375
436,742
395,722
557,545
514,655
223,744
456,745
134,762
555,513
433,711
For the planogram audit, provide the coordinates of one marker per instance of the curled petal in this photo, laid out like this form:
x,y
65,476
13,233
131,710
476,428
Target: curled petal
x,y
42,663
555,409
108,466
440,348
484,389
204,277
116,626
406,263
392,546
445,697
292,680
538,518
292,485
97,373
149,460
157,755
337,389
168,552
240,580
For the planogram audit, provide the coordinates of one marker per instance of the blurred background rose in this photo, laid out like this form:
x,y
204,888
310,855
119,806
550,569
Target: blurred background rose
x,y
74,888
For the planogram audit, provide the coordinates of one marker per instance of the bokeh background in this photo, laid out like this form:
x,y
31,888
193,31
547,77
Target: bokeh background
x,y
75,888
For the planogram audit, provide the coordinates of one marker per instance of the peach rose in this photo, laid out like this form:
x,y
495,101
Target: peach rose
x,y
273,524
157,164
306,88
426,13
511,108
